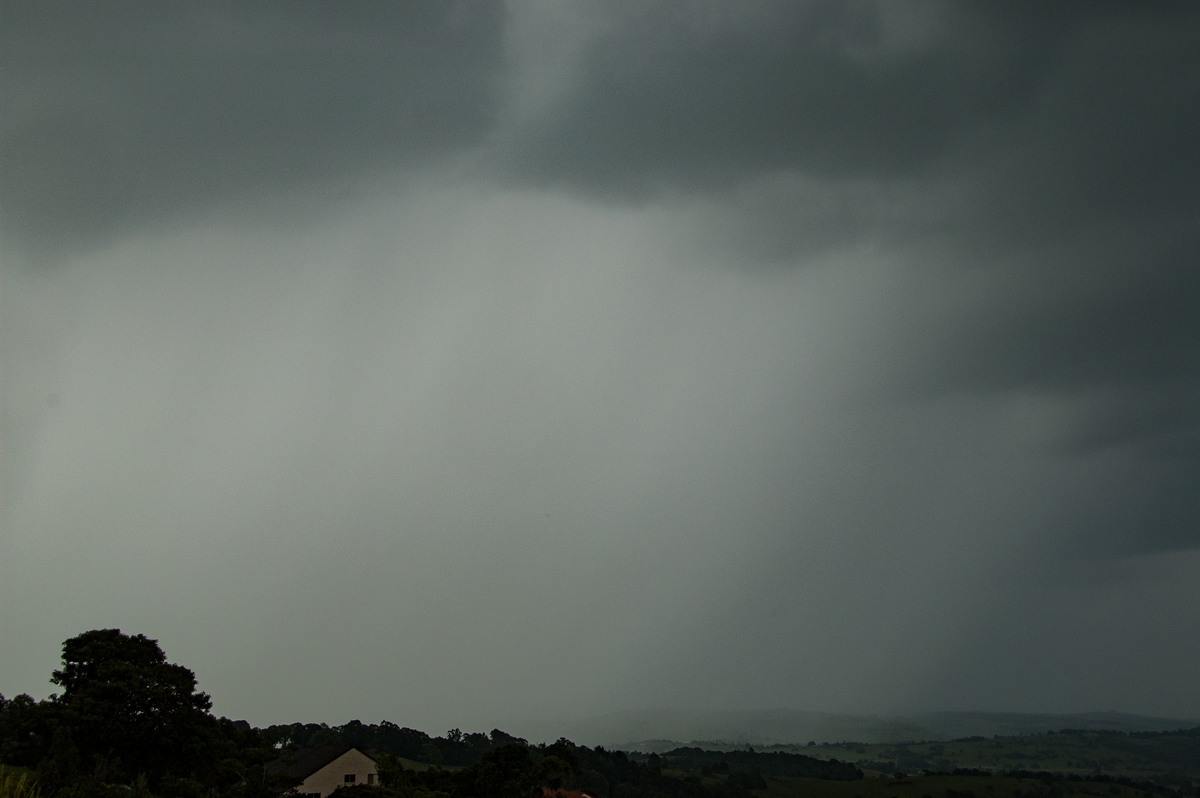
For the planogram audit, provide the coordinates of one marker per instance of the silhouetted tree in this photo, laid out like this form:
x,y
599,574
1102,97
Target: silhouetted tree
x,y
127,711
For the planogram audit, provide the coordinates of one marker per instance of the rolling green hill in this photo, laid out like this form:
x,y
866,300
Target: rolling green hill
x,y
1077,751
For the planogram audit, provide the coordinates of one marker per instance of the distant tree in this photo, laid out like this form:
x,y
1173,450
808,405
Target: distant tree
x,y
554,772
25,731
430,754
560,764
505,772
593,782
391,770
357,733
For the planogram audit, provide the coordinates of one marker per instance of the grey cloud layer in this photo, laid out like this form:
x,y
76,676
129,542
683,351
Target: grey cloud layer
x,y
704,95
1043,150
114,115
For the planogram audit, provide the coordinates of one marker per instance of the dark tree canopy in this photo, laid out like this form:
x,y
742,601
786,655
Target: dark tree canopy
x,y
128,710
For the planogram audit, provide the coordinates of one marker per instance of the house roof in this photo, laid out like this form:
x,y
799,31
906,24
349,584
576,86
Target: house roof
x,y
304,762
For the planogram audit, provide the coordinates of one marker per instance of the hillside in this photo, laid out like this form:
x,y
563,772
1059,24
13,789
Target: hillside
x,y
664,729
1075,752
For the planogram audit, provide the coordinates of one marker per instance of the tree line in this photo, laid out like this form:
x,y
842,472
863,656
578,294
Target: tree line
x,y
130,724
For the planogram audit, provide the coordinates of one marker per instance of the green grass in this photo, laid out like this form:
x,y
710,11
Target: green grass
x,y
17,783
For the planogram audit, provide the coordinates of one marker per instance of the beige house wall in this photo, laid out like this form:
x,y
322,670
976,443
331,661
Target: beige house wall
x,y
333,775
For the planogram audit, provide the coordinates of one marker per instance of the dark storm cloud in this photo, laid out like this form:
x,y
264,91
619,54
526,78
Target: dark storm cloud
x,y
1084,217
708,95
1080,97
115,113
1032,164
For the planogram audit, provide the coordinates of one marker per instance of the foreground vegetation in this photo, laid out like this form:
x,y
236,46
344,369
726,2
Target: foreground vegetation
x,y
130,724
17,783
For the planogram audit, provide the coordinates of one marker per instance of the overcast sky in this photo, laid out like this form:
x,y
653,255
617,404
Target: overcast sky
x,y
456,363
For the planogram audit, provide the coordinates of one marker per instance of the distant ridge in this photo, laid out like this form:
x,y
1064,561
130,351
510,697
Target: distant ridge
x,y
951,725
663,729
629,730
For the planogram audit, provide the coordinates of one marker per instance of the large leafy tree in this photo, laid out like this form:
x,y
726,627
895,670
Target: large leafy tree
x,y
129,711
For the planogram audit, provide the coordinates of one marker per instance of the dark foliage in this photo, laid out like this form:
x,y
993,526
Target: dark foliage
x,y
130,724
129,717
776,763
128,711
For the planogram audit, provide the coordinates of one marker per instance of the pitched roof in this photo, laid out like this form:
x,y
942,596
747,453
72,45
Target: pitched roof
x,y
303,763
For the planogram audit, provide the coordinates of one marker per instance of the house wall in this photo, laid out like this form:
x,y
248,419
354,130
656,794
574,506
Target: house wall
x,y
333,775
